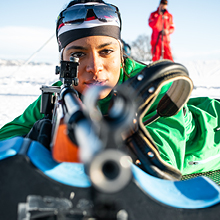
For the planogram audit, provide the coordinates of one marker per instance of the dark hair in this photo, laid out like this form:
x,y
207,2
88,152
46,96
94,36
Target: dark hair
x,y
164,2
73,2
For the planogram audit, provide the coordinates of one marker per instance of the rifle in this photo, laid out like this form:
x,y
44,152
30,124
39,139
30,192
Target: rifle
x,y
101,142
81,134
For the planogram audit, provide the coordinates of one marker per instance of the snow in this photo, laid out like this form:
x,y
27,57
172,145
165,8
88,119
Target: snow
x,y
20,84
205,76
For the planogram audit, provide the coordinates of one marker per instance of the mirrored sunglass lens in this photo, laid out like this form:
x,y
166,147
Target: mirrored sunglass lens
x,y
74,14
106,13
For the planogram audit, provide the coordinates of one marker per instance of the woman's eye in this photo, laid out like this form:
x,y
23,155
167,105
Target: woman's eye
x,y
77,54
106,51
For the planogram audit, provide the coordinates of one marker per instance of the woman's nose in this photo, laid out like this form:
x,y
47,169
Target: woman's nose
x,y
94,64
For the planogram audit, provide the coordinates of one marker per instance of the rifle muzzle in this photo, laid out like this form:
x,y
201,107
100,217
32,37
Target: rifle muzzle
x,y
110,171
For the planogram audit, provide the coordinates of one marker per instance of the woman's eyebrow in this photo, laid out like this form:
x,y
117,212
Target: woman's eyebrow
x,y
85,48
105,44
76,47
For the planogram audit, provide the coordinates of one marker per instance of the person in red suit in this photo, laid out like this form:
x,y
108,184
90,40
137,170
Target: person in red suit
x,y
161,22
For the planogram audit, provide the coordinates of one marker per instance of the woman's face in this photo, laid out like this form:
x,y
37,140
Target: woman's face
x,y
100,62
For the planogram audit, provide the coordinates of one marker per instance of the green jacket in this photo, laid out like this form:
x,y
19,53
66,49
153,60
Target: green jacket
x,y
190,140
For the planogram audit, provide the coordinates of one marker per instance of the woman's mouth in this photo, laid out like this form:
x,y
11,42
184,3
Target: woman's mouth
x,y
96,83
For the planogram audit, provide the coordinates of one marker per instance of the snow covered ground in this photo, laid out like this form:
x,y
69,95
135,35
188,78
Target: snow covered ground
x,y
20,84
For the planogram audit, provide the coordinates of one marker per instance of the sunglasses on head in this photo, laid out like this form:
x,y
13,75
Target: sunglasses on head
x,y
77,14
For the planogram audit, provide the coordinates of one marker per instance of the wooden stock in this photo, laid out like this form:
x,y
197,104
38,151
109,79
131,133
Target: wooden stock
x,y
64,150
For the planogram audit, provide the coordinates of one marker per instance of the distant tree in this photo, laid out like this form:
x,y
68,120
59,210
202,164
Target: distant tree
x,y
141,48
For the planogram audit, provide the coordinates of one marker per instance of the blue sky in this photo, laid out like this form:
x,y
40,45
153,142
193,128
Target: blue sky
x,y
26,25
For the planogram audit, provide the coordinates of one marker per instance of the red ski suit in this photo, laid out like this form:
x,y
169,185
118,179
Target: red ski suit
x,y
156,23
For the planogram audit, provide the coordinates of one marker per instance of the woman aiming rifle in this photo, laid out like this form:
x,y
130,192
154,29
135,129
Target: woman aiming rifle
x,y
91,31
